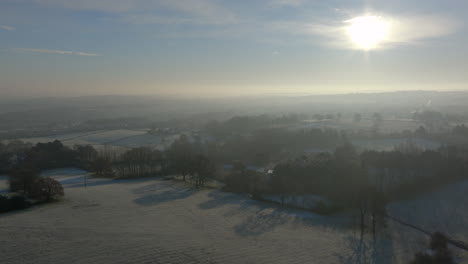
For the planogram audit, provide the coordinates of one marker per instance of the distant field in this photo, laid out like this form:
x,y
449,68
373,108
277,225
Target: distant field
x,y
124,139
390,143
388,125
117,138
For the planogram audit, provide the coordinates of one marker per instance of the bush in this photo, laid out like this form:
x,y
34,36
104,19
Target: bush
x,y
23,180
19,202
438,241
38,188
422,258
46,189
441,254
323,208
13,203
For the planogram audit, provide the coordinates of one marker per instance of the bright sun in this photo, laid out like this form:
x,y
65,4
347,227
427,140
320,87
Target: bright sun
x,y
367,32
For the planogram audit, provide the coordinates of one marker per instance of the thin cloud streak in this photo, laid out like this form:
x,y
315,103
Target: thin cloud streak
x,y
111,6
150,12
404,30
7,28
215,18
288,2
60,52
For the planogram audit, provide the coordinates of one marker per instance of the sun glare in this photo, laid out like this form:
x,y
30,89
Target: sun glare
x,y
367,32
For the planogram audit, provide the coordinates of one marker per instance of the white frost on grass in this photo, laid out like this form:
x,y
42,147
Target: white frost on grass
x,y
120,139
391,143
156,221
298,201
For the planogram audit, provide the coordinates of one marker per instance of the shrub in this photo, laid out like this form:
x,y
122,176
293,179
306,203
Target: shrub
x,y
13,203
438,241
22,180
443,256
46,189
422,258
323,208
19,202
39,188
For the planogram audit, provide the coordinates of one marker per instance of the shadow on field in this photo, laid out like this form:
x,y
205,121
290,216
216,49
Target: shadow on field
x,y
91,181
79,182
158,193
261,222
261,217
364,250
219,199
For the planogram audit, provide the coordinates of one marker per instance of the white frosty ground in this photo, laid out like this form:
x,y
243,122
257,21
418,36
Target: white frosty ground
x,y
155,221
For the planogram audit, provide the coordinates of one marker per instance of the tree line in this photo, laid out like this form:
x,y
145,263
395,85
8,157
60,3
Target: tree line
x,y
364,182
183,158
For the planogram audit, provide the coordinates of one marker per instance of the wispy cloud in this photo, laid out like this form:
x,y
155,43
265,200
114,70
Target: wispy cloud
x,y
413,29
47,51
403,30
206,9
288,2
8,28
151,11
331,30
113,6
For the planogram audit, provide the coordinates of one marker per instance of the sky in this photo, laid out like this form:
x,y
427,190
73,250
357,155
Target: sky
x,y
227,47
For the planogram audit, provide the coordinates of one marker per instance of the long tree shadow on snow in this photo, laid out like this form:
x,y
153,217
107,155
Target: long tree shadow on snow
x,y
261,222
263,216
155,194
365,250
219,199
79,182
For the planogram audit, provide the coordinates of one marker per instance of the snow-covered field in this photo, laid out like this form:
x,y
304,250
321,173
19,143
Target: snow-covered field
x,y
123,139
388,125
116,138
156,221
390,144
445,211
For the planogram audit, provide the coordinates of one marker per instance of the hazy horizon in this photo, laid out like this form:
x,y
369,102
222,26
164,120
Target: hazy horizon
x,y
12,98
234,131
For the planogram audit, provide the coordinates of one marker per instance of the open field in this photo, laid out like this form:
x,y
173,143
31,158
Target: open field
x,y
156,221
445,210
121,138
124,139
390,144
388,125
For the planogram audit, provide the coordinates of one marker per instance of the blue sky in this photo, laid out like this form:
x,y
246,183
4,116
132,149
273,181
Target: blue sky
x,y
226,47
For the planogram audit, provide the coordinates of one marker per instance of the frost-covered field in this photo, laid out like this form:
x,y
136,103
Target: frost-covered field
x,y
116,138
156,221
390,144
445,210
125,138
388,125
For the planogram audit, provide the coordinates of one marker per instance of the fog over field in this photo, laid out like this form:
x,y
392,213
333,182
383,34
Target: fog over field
x,y
355,178
218,131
